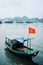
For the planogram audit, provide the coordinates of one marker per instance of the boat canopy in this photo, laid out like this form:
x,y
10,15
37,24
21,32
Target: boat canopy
x,y
22,40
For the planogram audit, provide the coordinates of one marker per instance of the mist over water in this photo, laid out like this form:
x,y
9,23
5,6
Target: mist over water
x,y
21,30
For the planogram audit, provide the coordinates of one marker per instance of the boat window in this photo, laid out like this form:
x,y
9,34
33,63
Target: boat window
x,y
7,39
13,41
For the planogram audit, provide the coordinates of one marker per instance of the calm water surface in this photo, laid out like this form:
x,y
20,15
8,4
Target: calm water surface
x,y
20,30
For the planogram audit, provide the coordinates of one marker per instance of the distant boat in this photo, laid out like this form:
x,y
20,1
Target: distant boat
x,y
28,22
8,21
0,22
17,46
19,22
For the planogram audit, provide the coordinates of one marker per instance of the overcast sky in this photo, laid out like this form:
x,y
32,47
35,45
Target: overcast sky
x,y
29,8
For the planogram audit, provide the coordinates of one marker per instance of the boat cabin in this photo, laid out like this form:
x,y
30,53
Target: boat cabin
x,y
15,43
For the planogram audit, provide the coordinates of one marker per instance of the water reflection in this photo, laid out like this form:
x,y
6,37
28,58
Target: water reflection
x,y
17,60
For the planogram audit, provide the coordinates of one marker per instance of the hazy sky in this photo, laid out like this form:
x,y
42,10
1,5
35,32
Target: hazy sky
x,y
29,8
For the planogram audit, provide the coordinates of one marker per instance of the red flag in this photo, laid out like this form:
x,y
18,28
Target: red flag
x,y
31,30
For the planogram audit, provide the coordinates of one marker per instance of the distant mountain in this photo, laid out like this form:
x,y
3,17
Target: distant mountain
x,y
7,20
22,19
25,18
35,20
16,19
41,20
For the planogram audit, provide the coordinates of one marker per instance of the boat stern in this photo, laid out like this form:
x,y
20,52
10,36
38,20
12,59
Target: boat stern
x,y
35,53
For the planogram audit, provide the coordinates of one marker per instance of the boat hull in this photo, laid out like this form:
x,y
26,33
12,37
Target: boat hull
x,y
23,54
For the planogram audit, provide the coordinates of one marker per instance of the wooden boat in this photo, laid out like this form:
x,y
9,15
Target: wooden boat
x,y
17,46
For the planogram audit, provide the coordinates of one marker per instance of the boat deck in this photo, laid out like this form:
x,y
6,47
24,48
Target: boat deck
x,y
22,48
26,50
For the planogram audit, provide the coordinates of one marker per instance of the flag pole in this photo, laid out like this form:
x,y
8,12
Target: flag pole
x,y
31,31
29,40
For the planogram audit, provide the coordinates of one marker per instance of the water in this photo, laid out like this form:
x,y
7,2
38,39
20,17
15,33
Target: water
x,y
21,30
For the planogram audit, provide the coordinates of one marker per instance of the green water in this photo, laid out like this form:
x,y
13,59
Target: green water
x,y
20,30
